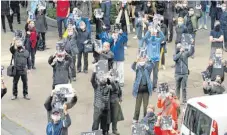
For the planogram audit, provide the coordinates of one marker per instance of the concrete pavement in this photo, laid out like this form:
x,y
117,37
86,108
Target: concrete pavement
x,y
32,115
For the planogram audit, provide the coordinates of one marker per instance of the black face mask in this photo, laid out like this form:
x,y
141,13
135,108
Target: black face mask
x,y
217,28
19,47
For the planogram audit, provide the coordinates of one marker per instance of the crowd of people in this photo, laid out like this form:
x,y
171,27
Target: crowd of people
x,y
153,23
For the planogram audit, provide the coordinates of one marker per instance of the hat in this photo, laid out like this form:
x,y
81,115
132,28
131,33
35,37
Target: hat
x,y
18,34
60,47
117,27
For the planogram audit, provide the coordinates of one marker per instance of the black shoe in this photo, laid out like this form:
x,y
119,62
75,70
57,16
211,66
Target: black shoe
x,y
115,132
14,98
94,62
169,41
33,67
79,71
18,22
4,31
105,133
26,97
85,71
12,30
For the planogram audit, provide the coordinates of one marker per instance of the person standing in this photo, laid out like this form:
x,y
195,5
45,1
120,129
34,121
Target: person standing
x,y
213,13
82,37
142,87
169,14
164,30
223,22
41,26
119,39
72,49
153,39
5,12
182,70
22,65
86,9
15,6
63,10
106,6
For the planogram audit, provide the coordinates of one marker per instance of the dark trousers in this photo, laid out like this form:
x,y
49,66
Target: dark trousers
x,y
100,116
23,75
32,54
106,6
143,96
24,3
114,109
9,21
181,80
61,20
16,11
73,67
213,19
169,24
155,74
85,55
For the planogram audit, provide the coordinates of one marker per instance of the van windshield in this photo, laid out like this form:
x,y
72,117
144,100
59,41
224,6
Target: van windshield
x,y
196,121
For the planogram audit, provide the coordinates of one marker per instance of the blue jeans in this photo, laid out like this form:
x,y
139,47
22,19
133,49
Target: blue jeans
x,y
88,25
106,6
59,21
139,29
203,19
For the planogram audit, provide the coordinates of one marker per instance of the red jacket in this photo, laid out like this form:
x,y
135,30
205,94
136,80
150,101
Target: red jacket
x,y
33,38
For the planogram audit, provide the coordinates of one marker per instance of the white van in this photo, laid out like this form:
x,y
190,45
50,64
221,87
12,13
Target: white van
x,y
205,116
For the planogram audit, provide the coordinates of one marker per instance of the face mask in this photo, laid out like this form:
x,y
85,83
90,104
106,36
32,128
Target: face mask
x,y
141,63
153,37
70,33
148,5
55,118
223,9
60,59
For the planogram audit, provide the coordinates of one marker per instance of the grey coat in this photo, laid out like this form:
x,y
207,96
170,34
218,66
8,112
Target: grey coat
x,y
71,45
41,23
61,70
86,8
181,60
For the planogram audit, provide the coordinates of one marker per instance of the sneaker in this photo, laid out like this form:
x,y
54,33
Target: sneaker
x,y
85,71
134,30
14,97
34,68
26,97
125,47
163,67
154,89
135,37
205,27
134,121
79,71
18,22
12,30
4,30
115,132
200,27
74,79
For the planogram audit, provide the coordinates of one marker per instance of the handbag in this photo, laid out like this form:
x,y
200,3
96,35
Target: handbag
x,y
88,47
11,70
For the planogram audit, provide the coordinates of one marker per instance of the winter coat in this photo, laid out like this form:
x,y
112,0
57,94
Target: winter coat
x,y
181,60
41,23
101,93
191,22
217,71
105,37
81,37
182,11
179,31
107,56
169,10
118,47
49,106
30,39
71,45
147,71
204,5
149,120
15,6
61,73
164,30
153,46
139,6
223,22
169,108
86,8
160,6
61,128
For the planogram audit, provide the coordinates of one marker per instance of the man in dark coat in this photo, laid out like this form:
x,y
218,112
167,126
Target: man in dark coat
x,y
22,65
5,11
15,6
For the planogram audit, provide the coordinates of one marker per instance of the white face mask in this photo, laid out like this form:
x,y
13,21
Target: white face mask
x,y
191,13
70,33
60,59
223,9
55,118
141,63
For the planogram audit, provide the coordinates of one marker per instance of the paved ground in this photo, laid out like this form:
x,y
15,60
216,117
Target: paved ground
x,y
32,115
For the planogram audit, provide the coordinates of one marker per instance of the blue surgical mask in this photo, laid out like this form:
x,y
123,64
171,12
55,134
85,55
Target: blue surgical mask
x,y
153,37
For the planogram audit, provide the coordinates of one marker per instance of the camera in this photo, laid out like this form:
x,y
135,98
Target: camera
x,y
205,75
163,88
98,13
59,100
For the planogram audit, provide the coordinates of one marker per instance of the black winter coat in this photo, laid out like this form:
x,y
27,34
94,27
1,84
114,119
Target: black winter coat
x,y
5,8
